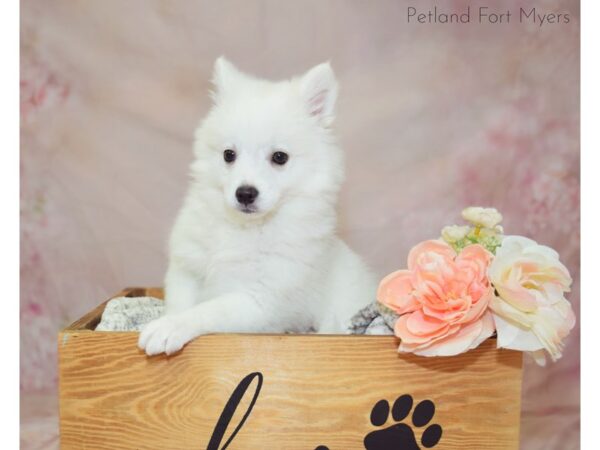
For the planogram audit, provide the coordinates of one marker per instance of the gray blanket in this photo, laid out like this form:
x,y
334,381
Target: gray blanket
x,y
131,314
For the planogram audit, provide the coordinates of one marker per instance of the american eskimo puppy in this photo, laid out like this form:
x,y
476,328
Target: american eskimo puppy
x,y
254,247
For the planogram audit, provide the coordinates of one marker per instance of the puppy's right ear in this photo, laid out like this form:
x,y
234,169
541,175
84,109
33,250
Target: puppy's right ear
x,y
319,89
225,76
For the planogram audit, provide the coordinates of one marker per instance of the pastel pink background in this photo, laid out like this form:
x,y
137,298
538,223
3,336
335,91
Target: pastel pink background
x,y
433,118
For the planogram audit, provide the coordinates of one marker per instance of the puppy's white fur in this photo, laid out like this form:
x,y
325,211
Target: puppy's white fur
x,y
281,267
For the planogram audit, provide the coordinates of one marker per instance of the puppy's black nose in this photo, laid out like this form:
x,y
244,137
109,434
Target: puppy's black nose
x,y
246,194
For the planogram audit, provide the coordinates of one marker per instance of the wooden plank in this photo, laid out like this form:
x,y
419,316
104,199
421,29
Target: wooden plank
x,y
317,390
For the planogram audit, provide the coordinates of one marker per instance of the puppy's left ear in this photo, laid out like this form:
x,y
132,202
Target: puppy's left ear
x,y
225,78
319,90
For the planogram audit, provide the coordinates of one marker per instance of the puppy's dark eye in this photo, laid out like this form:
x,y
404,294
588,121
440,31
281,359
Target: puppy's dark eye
x,y
279,158
229,155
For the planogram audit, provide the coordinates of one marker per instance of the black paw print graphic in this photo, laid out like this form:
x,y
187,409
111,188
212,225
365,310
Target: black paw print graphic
x,y
401,436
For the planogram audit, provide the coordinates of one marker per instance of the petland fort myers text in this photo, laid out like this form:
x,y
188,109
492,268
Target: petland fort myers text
x,y
487,15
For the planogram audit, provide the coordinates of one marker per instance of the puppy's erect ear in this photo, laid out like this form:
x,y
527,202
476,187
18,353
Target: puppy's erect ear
x,y
319,90
225,77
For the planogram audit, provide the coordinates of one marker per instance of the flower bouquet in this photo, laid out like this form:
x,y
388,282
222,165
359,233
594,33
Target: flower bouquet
x,y
475,281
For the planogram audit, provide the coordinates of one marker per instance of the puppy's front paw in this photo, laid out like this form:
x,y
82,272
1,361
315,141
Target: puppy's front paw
x,y
165,335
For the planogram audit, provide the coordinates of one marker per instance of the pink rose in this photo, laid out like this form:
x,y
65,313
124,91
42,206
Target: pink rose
x,y
442,299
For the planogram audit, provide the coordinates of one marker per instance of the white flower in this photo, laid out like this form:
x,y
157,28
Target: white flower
x,y
482,217
530,311
454,233
497,230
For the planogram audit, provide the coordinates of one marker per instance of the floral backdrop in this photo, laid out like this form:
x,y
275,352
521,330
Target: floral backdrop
x,y
433,118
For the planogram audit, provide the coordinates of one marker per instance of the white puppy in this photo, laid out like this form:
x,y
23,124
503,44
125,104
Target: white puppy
x,y
254,247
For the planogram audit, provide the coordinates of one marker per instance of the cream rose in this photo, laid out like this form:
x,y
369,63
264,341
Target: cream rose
x,y
530,310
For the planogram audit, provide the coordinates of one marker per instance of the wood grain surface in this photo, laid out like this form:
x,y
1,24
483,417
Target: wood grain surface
x,y
318,390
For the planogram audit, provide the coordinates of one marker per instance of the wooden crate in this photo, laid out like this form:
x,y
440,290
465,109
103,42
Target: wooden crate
x,y
280,392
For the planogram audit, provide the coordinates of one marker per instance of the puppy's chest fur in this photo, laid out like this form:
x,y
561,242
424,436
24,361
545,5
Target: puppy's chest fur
x,y
286,260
